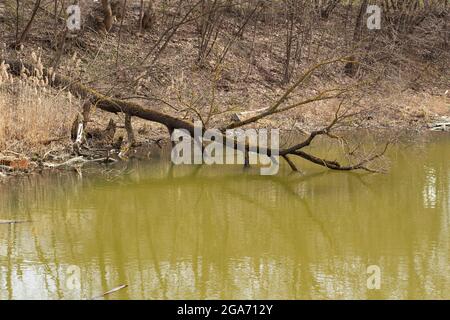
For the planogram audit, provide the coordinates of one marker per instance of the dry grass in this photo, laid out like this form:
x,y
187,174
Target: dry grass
x,y
32,116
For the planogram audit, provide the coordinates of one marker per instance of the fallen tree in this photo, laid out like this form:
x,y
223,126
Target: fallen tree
x,y
132,109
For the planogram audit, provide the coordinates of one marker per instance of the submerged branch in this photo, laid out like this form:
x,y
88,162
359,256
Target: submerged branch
x,y
114,105
110,292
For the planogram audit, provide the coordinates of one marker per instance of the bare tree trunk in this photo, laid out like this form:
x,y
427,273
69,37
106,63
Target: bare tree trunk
x,y
351,68
60,47
119,38
329,8
17,19
290,22
147,18
129,129
107,15
141,15
114,105
28,26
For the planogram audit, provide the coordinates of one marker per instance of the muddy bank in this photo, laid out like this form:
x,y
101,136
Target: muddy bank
x,y
101,155
13,164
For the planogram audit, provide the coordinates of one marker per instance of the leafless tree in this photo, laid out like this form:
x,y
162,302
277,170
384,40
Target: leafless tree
x,y
283,104
326,7
29,24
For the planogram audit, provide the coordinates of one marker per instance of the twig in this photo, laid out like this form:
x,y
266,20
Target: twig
x,y
13,221
110,291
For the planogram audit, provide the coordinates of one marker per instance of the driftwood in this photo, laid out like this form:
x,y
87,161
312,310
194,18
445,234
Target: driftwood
x,y
13,221
80,160
132,109
110,292
440,126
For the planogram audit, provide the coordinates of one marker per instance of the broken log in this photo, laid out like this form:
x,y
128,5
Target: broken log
x,y
104,102
132,109
440,126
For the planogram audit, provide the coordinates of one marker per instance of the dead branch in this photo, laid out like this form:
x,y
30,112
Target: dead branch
x,y
13,221
110,291
275,107
129,129
28,26
130,109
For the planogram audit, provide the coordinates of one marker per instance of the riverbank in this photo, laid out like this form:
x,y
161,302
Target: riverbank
x,y
98,155
393,85
35,138
39,126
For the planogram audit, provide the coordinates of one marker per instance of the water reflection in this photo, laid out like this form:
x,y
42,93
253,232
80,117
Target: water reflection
x,y
429,191
219,232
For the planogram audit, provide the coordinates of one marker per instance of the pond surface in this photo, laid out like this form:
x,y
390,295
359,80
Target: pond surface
x,y
225,233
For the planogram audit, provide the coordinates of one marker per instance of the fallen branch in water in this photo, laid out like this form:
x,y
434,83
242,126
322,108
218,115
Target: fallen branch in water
x,y
77,161
110,291
283,104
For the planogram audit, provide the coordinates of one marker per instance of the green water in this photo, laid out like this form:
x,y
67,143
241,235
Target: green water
x,y
222,232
